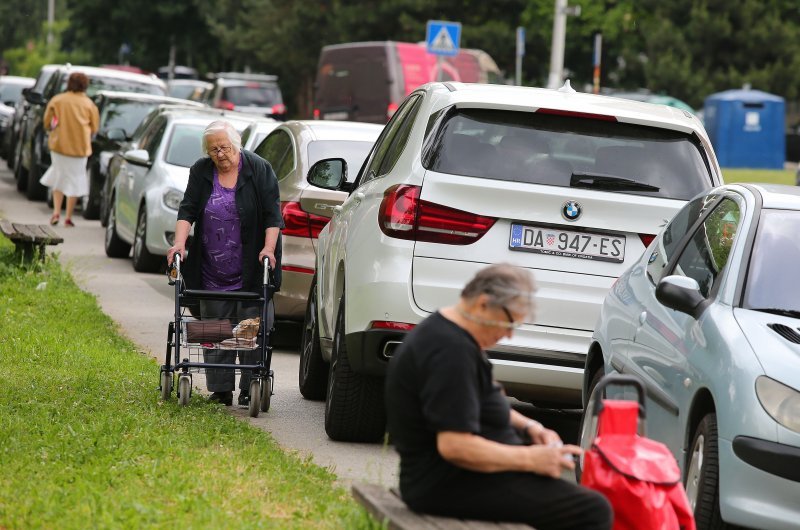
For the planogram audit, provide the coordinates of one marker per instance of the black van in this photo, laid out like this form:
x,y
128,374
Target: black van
x,y
366,81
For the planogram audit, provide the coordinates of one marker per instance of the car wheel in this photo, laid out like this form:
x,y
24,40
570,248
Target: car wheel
x,y
354,410
115,247
588,426
91,202
20,173
35,191
313,371
143,260
702,475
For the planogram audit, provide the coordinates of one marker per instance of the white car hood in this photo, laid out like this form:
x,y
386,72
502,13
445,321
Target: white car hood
x,y
779,357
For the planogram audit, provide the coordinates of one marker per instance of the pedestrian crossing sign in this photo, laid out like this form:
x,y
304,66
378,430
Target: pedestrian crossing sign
x,y
443,38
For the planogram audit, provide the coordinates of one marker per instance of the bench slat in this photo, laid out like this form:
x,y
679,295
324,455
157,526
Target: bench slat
x,y
386,506
40,234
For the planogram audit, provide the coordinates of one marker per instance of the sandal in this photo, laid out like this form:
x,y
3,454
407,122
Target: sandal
x,y
68,222
54,219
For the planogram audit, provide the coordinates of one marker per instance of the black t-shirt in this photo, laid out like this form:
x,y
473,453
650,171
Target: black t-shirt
x,y
439,380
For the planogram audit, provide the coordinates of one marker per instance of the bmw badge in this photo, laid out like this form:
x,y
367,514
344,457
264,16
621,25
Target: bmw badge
x,y
571,210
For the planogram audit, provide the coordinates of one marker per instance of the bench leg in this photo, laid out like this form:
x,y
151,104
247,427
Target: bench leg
x,y
28,250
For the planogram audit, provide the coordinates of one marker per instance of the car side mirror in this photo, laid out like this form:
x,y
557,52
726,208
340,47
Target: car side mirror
x,y
117,134
35,98
138,156
681,293
329,174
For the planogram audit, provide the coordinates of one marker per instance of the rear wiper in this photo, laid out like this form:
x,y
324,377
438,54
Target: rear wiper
x,y
793,313
608,182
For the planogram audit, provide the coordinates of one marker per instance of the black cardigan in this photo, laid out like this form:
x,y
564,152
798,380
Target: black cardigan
x,y
259,204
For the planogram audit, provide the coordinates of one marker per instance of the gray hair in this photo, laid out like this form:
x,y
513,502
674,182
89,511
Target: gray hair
x,y
506,286
222,125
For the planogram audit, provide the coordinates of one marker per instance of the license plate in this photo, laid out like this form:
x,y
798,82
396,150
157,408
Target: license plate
x,y
567,243
335,116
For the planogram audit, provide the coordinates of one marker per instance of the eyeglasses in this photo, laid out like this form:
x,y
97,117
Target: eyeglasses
x,y
511,324
223,149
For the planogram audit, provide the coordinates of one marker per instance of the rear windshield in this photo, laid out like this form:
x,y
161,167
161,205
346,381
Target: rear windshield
x,y
125,115
184,145
97,84
254,95
354,153
569,151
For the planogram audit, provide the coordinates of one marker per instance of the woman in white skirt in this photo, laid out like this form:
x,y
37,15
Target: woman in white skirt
x,y
72,119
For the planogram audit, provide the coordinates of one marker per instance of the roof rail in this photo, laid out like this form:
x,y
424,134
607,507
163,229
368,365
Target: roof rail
x,y
243,76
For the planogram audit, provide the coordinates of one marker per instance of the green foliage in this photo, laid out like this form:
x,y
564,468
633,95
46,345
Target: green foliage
x,y
86,443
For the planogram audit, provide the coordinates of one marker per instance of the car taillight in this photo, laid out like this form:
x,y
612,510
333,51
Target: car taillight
x,y
280,108
299,223
390,110
316,114
386,324
225,104
647,239
403,215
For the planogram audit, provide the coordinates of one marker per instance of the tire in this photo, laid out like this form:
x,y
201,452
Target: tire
x,y
184,389
255,396
35,191
166,384
20,173
313,370
588,426
266,392
702,475
143,260
91,202
115,247
354,409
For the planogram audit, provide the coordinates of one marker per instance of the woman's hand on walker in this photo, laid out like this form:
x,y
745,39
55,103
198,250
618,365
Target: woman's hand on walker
x,y
267,253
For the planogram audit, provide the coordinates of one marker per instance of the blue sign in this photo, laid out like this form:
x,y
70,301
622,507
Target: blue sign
x,y
443,38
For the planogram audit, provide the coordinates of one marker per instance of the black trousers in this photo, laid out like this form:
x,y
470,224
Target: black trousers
x,y
542,502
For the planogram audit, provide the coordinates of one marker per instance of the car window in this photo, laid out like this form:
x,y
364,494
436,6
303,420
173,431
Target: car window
x,y
10,92
706,254
125,115
353,152
384,142
570,151
673,233
772,275
252,95
152,137
185,147
278,150
400,139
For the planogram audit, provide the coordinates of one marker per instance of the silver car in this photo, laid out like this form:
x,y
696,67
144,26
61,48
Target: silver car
x,y
709,319
293,149
149,185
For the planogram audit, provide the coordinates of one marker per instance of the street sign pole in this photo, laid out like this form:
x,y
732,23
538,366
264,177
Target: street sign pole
x,y
520,53
598,49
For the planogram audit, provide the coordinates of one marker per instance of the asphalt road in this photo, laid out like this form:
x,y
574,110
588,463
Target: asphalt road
x,y
143,304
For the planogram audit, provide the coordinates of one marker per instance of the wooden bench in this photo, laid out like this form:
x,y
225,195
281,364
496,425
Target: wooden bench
x,y
388,508
28,239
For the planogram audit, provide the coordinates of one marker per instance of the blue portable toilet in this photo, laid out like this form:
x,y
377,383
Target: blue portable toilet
x,y
747,128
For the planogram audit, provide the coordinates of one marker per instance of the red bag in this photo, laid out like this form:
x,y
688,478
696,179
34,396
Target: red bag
x,y
639,476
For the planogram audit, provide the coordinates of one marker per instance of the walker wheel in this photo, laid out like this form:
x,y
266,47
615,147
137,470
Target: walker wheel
x,y
266,392
166,384
184,389
255,396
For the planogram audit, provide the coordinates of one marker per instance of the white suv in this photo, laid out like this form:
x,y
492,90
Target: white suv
x,y
571,186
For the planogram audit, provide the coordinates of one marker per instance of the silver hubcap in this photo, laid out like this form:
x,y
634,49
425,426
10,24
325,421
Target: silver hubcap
x,y
111,226
141,228
695,471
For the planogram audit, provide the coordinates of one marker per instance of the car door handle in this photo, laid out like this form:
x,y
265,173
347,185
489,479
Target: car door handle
x,y
642,318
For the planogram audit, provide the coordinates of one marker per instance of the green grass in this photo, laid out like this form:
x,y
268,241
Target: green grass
x,y
85,441
771,176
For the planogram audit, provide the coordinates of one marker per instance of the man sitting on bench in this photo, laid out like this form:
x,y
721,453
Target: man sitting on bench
x,y
463,450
